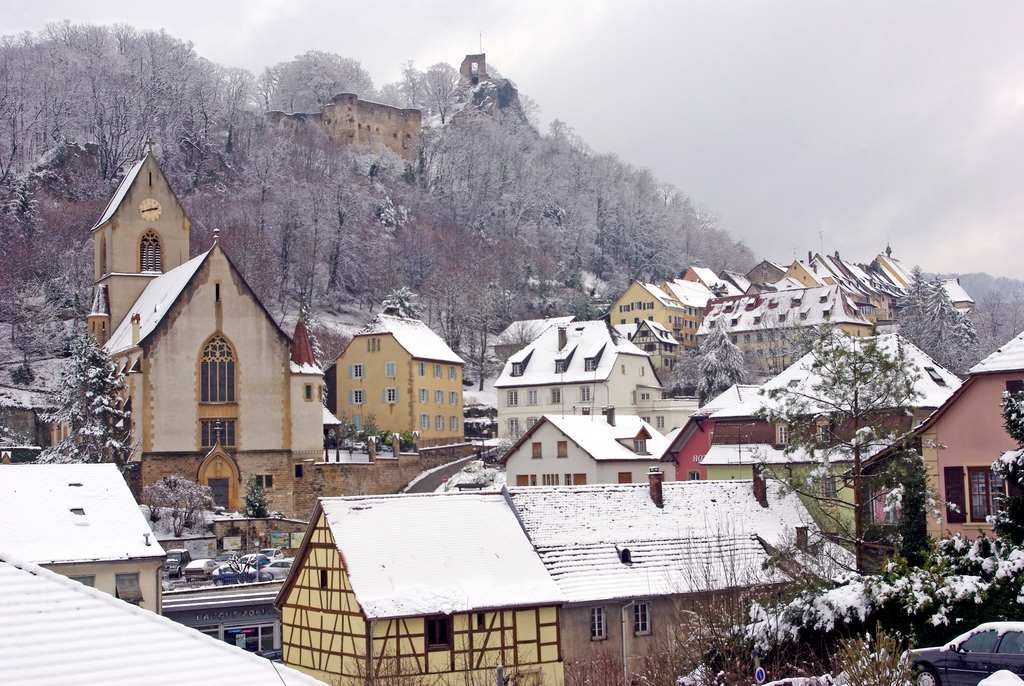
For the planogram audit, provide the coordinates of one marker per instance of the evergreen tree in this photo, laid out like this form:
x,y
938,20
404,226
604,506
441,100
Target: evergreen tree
x,y
404,301
255,499
1010,467
929,320
720,364
90,405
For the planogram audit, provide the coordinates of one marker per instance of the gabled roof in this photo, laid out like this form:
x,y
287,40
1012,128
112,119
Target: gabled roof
x,y
689,293
781,310
663,297
956,292
1008,358
418,339
122,190
799,378
737,279
160,294
585,338
735,394
658,330
714,282
529,329
599,439
410,555
704,538
38,522
63,632
302,359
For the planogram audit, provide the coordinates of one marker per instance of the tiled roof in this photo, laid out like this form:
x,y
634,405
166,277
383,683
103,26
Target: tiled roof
x,y
302,351
413,555
784,309
63,632
1008,358
39,523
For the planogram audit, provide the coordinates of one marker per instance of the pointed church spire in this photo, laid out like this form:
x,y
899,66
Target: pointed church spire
x,y
302,350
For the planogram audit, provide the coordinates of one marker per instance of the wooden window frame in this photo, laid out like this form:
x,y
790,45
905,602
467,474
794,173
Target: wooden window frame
x,y
431,625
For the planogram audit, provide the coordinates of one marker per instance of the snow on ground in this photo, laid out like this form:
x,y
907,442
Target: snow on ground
x,y
471,397
164,528
1002,678
488,477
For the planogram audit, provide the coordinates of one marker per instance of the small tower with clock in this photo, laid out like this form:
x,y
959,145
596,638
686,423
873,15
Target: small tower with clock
x,y
142,233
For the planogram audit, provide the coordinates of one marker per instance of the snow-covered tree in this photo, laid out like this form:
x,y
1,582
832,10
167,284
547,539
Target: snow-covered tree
x,y
929,320
720,364
854,401
255,499
442,84
403,300
179,498
92,408
1009,519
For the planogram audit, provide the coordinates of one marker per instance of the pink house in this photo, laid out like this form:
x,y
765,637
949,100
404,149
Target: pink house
x,y
690,444
962,438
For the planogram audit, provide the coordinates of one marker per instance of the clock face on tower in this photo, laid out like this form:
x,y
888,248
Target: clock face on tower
x,y
149,209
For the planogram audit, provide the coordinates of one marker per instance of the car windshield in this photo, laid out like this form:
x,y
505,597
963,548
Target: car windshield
x,y
174,555
981,642
1013,643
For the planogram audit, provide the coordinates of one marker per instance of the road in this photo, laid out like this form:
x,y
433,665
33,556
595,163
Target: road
x,y
431,482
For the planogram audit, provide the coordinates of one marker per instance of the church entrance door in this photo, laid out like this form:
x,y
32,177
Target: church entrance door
x,y
220,491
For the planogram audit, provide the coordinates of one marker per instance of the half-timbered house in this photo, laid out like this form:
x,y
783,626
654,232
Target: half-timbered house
x,y
437,589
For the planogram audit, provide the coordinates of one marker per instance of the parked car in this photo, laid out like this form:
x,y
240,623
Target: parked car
x,y
970,657
272,655
176,562
226,556
279,568
228,574
200,570
252,560
273,553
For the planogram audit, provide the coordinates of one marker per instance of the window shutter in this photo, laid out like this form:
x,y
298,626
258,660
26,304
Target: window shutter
x,y
954,478
383,395
351,396
396,395
350,373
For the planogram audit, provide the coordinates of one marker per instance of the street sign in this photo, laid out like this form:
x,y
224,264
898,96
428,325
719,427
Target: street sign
x,y
759,675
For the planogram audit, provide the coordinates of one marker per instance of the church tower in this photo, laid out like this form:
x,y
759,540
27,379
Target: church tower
x,y
142,233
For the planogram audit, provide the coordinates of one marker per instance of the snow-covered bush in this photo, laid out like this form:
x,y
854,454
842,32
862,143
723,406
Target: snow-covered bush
x,y
878,661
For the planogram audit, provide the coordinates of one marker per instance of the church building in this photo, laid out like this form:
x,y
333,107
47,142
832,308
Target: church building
x,y
218,392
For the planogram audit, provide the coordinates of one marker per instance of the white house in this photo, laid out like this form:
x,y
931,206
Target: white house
x,y
61,632
579,450
81,521
570,369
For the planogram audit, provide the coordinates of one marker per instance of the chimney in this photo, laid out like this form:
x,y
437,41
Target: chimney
x,y
136,322
801,538
561,337
392,311
655,476
809,258
760,486
609,412
371,447
396,444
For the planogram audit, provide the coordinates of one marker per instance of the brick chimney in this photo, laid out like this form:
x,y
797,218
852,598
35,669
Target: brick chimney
x,y
655,476
609,412
760,486
801,538
136,325
562,337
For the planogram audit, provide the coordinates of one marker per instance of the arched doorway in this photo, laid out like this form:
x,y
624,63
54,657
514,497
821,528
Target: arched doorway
x,y
220,473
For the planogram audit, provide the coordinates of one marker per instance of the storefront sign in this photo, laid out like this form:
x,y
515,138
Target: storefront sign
x,y
238,613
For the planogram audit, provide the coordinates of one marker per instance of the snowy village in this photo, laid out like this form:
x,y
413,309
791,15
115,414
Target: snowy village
x,y
305,380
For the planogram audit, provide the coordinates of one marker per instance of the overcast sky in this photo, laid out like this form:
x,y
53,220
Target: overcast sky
x,y
800,124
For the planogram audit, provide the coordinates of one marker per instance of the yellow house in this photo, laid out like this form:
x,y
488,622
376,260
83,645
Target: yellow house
x,y
81,521
405,376
426,589
647,302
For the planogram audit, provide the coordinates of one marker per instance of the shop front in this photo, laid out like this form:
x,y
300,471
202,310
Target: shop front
x,y
243,616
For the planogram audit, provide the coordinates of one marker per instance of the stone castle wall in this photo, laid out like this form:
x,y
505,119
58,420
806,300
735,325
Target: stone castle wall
x,y
351,121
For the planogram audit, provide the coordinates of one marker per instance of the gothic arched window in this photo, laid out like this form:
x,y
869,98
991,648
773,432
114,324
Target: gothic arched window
x,y
149,253
217,374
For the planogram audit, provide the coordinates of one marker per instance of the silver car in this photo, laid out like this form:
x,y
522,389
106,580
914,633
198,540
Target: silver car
x,y
279,568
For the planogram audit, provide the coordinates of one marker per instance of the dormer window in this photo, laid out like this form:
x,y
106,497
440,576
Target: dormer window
x,y
640,446
803,315
823,299
826,313
590,364
559,366
757,320
728,308
517,369
735,321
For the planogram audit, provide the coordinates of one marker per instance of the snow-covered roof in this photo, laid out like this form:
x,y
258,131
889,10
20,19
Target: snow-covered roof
x,y
702,539
739,280
1008,358
762,312
153,304
528,329
122,190
411,555
733,395
798,377
663,297
63,632
39,520
418,339
583,339
689,293
956,292
894,271
627,330
330,419
750,454
602,441
712,281
659,331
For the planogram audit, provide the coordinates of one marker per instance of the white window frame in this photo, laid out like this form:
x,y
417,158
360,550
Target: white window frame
x,y
453,397
598,624
438,396
439,422
659,422
585,394
452,372
424,395
424,421
358,371
423,368
531,396
556,396
781,434
358,396
513,426
437,370
391,395
453,423
641,619
513,398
